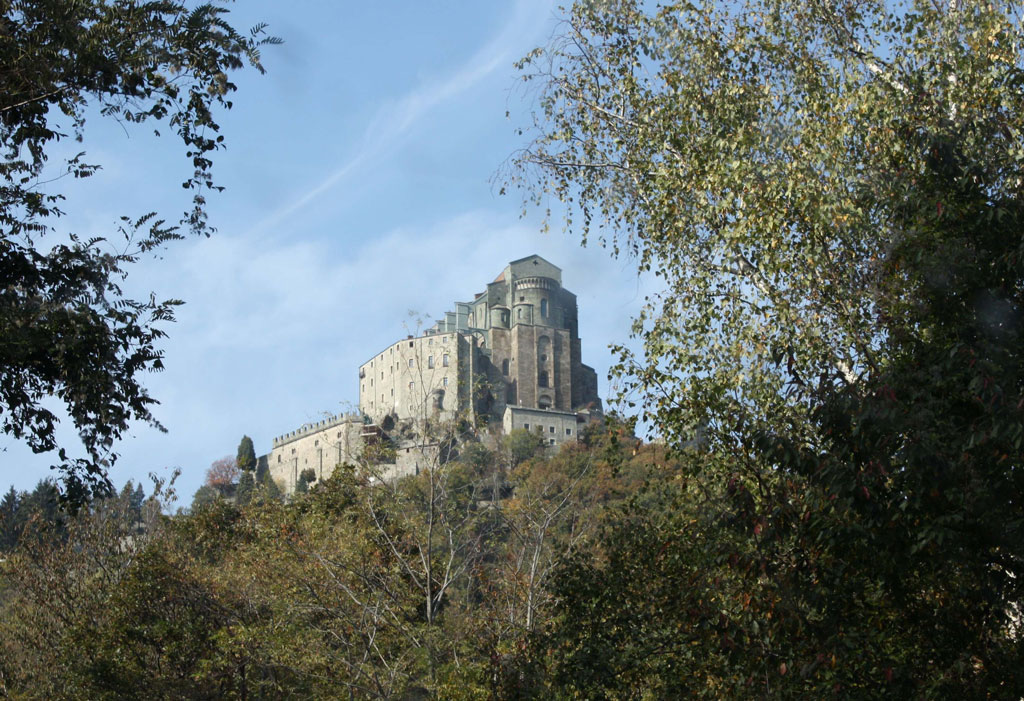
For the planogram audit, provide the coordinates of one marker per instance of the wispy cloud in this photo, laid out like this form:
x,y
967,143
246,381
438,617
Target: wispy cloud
x,y
396,118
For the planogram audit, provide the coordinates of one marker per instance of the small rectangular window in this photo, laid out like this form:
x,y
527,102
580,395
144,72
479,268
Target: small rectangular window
x,y
430,361
551,441
316,442
526,426
279,458
444,360
411,385
411,361
444,382
551,429
410,344
568,431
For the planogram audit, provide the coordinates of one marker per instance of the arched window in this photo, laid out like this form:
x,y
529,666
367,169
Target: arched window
x,y
544,402
544,308
504,366
543,349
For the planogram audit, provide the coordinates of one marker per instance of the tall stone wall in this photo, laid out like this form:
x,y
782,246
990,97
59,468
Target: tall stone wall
x,y
415,377
321,446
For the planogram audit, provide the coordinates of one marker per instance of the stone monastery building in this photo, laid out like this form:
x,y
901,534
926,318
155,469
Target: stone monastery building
x,y
510,357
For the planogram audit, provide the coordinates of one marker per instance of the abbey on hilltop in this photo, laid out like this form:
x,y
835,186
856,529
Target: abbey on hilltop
x,y
510,357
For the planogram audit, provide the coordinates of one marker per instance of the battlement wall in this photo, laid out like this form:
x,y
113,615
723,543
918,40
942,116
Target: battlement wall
x,y
315,427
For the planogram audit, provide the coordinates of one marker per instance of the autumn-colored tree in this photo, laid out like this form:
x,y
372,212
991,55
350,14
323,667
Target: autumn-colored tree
x,y
222,473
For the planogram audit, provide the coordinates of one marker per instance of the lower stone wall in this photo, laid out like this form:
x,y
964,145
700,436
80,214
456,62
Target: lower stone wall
x,y
318,447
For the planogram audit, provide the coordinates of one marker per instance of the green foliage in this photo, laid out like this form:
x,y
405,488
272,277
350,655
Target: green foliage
x,y
321,597
32,515
66,328
476,456
520,445
203,496
246,459
306,477
246,487
266,487
830,196
58,617
9,527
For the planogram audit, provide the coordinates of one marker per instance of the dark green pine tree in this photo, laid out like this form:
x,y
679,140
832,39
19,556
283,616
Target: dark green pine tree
x,y
246,455
42,507
246,460
246,487
265,483
9,526
137,500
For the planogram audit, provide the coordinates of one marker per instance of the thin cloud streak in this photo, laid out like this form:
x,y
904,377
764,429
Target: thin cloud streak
x,y
394,120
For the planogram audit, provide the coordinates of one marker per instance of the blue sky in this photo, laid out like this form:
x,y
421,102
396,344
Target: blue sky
x,y
358,189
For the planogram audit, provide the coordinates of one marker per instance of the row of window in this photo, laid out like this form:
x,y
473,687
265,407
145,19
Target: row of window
x,y
412,385
391,350
551,429
430,361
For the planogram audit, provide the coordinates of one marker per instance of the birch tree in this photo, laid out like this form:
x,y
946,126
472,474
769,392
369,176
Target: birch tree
x,y
830,194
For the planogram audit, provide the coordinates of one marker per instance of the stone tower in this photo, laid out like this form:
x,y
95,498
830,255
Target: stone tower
x,y
516,345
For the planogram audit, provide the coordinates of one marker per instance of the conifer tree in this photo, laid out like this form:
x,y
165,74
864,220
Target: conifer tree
x,y
8,519
246,454
246,487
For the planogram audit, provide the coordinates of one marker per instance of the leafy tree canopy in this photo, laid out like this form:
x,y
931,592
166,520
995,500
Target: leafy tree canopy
x,y
66,328
830,193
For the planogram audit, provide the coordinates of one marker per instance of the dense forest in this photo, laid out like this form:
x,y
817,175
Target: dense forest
x,y
444,583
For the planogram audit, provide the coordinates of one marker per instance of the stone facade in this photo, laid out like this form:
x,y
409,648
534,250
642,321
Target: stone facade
x,y
416,377
510,357
555,427
320,446
516,344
